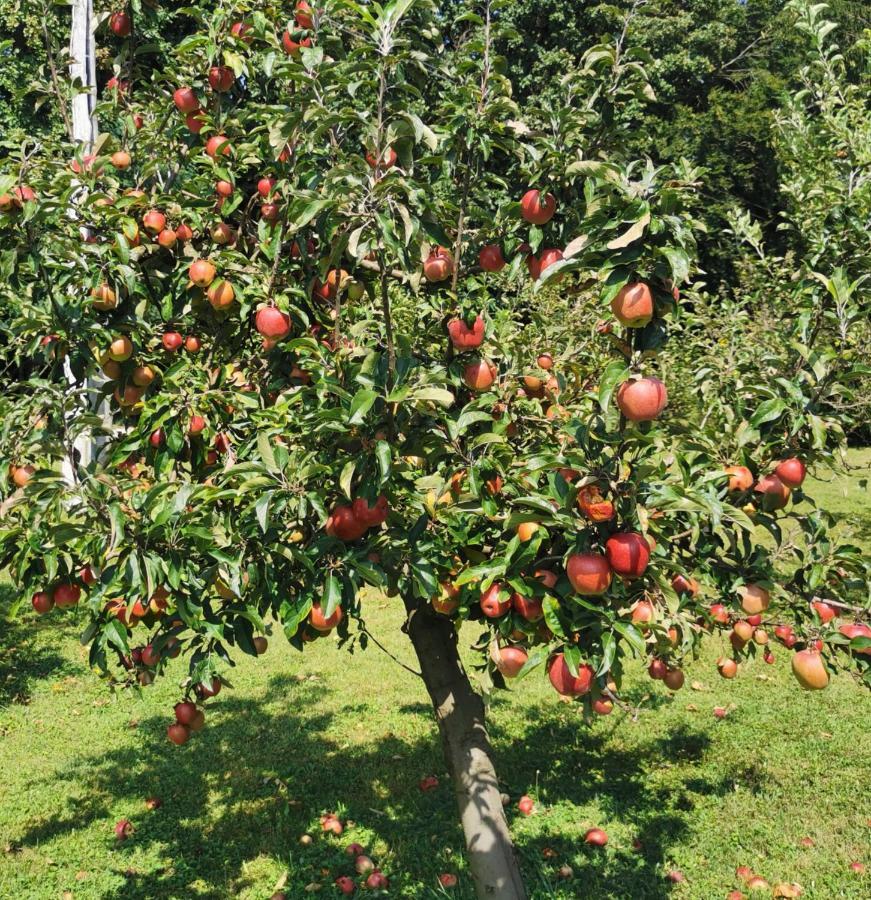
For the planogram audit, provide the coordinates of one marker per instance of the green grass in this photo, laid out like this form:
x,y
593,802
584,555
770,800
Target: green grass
x,y
301,735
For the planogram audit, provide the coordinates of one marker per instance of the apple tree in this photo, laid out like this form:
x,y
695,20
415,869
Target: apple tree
x,y
322,310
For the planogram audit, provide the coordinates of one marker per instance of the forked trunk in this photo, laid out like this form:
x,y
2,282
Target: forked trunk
x,y
460,715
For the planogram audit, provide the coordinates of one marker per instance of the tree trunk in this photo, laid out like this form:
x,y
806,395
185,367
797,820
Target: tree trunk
x,y
460,715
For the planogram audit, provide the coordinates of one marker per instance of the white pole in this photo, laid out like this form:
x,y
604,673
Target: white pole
x,y
83,68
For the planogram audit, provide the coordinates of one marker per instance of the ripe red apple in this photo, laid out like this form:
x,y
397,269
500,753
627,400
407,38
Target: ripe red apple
x,y
212,689
490,258
428,783
270,212
728,668
547,578
222,233
304,15
292,48
87,576
754,598
241,31
167,238
156,438
363,864
491,605
564,682
172,341
682,584
201,272
192,344
178,734
602,706
526,530
633,305
533,267
120,24
197,425
265,186
642,399
66,595
185,100
824,611
150,656
775,494
21,475
220,294
643,613
479,375
740,478
589,573
791,472
628,554
596,837
272,322
657,669
331,824
464,337
42,602
854,630
185,712
322,623
218,145
221,78
809,670
754,620
224,188
355,849
387,160
526,805
537,209
121,160
195,122
378,881
123,829
154,221
673,679
528,608
345,884
439,265
184,232
511,660
548,258
448,880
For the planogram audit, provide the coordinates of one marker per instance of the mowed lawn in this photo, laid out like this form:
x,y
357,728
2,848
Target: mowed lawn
x,y
301,735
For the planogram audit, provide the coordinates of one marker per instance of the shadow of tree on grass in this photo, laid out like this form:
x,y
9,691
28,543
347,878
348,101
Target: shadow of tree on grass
x,y
253,781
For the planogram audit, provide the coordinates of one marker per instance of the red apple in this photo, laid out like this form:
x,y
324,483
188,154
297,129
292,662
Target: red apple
x,y
42,602
178,734
589,573
642,399
172,341
628,554
528,608
272,322
491,605
564,682
809,670
740,478
511,660
479,375
775,494
633,305
537,209
791,472
120,24
322,623
596,837
66,595
185,100
490,258
185,712
526,805
221,78
439,265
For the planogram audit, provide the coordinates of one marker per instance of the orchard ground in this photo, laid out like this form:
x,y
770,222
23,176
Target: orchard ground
x,y
323,732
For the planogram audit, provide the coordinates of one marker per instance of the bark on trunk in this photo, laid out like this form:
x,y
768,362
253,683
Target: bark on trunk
x,y
460,715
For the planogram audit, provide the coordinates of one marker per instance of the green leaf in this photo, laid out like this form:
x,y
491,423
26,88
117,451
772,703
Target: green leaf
x,y
360,405
261,510
346,477
332,595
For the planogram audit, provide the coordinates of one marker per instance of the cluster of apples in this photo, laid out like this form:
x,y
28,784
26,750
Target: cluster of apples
x,y
63,596
189,718
349,522
774,488
374,878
